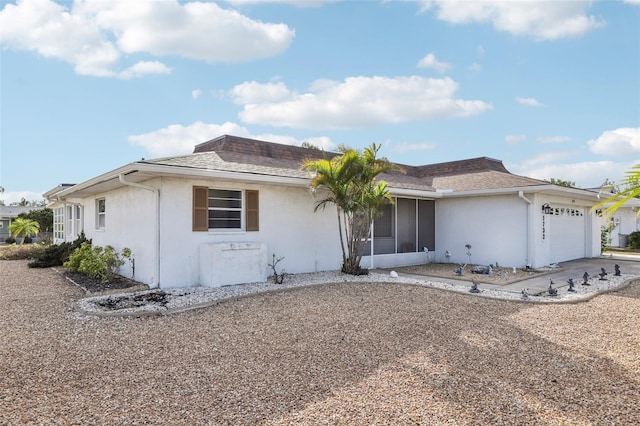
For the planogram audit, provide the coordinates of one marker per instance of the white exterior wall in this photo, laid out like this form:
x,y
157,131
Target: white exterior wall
x,y
626,221
504,229
495,226
130,221
543,228
289,227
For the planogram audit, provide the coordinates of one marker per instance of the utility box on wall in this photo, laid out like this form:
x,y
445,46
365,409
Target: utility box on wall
x,y
232,263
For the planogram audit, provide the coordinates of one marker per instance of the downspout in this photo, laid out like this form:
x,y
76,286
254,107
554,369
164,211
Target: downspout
x,y
122,179
529,226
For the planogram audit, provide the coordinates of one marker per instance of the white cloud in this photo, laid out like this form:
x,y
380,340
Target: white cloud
x,y
177,139
532,102
356,101
16,196
430,61
194,30
553,139
619,142
403,147
475,67
143,68
515,139
540,19
251,92
636,2
196,93
559,165
587,174
94,35
297,3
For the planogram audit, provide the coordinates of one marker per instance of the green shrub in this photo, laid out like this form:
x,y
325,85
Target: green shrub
x,y
634,240
57,254
10,240
97,262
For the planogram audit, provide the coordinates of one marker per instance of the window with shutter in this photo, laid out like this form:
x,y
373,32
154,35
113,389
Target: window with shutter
x,y
252,211
223,209
200,208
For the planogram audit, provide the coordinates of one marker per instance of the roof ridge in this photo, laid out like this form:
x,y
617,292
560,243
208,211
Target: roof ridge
x,y
466,166
247,146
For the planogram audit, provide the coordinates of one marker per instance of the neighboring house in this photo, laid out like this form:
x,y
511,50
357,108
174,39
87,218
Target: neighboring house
x,y
217,216
8,215
624,221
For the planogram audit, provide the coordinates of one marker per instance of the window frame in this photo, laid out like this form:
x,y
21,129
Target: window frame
x,y
101,214
58,223
69,220
249,217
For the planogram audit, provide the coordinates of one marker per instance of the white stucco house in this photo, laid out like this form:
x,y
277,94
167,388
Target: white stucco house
x,y
623,222
218,215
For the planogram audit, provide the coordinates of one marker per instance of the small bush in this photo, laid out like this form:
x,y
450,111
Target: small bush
x,y
27,240
10,240
97,262
605,236
634,240
57,254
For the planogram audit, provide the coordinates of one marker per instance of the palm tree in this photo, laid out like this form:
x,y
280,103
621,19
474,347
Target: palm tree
x,y
350,183
23,226
632,190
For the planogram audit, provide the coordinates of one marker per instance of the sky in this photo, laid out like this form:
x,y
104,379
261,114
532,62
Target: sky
x,y
551,88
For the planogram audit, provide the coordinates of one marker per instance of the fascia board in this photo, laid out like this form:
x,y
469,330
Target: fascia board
x,y
417,193
222,174
113,174
539,189
164,170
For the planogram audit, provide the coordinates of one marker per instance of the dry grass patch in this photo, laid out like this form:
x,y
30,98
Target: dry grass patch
x,y
20,251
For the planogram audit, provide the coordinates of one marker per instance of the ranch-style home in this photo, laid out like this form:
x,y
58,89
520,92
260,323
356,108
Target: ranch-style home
x,y
219,215
8,214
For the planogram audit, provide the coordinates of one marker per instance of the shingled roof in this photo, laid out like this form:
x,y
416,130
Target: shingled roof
x,y
243,155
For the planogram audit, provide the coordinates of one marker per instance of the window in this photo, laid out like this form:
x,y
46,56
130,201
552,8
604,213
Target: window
x,y
101,213
69,220
58,223
225,209
78,220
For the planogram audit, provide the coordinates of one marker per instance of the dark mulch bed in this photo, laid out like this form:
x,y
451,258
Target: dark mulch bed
x,y
93,285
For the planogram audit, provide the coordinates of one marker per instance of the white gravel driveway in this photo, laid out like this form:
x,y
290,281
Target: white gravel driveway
x,y
341,353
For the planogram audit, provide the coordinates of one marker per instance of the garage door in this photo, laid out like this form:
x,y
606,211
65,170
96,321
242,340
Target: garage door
x,y
567,233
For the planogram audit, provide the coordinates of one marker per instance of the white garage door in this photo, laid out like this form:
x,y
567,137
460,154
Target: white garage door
x,y
567,233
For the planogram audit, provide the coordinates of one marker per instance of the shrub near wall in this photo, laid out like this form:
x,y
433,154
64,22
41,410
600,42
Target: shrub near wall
x,y
57,254
634,240
97,262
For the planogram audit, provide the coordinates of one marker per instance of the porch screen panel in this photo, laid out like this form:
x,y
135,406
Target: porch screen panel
x,y
426,224
384,235
406,225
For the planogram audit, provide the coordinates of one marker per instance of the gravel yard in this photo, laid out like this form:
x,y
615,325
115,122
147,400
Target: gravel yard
x,y
344,353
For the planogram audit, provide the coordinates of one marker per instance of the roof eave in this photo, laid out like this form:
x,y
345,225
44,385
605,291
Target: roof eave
x,y
545,189
178,171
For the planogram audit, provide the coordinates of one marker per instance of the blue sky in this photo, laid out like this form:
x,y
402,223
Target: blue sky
x,y
550,88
